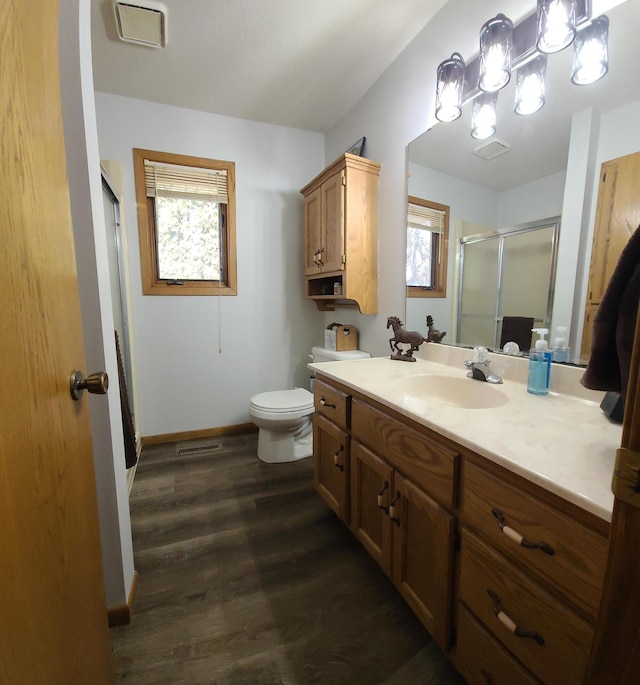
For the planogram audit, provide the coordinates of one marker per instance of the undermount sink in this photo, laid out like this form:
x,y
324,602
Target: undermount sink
x,y
464,392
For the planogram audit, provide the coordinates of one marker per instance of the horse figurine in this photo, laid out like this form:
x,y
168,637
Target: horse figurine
x,y
433,334
413,338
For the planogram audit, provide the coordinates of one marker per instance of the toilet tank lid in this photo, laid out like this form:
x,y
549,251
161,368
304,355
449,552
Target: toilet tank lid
x,y
322,354
283,400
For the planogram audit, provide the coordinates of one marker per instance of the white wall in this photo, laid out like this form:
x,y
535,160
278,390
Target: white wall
x,y
83,170
183,381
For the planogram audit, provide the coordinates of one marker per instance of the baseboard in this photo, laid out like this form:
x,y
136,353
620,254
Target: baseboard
x,y
121,615
194,435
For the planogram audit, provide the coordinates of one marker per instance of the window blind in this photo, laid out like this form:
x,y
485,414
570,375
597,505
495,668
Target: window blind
x,y
196,183
426,218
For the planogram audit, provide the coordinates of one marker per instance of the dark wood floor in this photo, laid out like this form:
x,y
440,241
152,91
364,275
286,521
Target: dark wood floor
x,y
245,577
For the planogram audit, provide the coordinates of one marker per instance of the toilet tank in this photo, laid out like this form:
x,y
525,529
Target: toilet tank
x,y
322,354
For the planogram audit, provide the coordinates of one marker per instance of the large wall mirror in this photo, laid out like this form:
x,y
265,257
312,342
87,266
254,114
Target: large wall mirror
x,y
542,192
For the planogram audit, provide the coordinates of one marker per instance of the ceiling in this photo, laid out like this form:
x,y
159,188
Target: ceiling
x,y
287,62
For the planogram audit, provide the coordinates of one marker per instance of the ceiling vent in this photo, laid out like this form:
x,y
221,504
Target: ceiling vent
x,y
143,23
492,149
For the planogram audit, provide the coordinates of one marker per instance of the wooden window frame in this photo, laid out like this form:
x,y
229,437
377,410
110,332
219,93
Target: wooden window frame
x,y
151,283
440,287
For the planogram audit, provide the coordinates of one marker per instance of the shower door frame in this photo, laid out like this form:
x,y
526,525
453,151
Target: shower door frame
x,y
501,234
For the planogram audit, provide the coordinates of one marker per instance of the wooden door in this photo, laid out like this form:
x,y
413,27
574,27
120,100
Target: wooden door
x,y
617,216
331,465
423,553
371,488
615,653
333,213
312,231
54,620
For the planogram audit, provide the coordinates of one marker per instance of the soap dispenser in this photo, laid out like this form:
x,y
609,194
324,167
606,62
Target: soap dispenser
x,y
539,365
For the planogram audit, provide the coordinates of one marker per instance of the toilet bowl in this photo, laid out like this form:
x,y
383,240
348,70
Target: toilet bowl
x,y
283,417
284,421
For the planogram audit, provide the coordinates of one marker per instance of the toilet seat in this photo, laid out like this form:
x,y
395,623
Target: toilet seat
x,y
283,401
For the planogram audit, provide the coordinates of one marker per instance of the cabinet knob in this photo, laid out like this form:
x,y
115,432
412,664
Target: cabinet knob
x,y
336,458
392,509
326,404
381,504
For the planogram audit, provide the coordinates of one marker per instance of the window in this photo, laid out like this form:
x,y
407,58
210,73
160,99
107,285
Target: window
x,y
427,248
186,224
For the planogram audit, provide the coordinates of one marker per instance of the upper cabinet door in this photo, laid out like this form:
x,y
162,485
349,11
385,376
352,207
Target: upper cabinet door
x,y
333,206
313,231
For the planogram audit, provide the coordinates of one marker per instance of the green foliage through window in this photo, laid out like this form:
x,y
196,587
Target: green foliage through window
x,y
188,238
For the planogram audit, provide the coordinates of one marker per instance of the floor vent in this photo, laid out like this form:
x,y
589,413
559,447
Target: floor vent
x,y
198,449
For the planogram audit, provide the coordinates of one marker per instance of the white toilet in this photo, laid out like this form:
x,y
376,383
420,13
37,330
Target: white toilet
x,y
284,416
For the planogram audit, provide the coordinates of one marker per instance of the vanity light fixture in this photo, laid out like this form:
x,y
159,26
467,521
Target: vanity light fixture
x,y
530,86
450,84
496,37
483,116
591,52
556,25
523,48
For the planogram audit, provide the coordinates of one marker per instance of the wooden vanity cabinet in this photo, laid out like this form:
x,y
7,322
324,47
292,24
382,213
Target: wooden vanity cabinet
x,y
531,574
504,575
331,465
409,534
341,235
331,444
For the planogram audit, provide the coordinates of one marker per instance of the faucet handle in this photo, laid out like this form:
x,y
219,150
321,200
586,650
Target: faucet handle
x,y
480,355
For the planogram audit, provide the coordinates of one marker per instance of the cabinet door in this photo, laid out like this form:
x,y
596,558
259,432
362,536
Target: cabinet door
x,y
331,465
423,553
481,659
371,487
313,231
333,214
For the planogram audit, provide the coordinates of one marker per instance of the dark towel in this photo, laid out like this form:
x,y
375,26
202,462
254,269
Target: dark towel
x,y
614,324
128,430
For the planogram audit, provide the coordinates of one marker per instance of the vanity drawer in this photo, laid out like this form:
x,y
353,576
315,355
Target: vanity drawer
x,y
430,465
330,402
579,555
553,642
481,659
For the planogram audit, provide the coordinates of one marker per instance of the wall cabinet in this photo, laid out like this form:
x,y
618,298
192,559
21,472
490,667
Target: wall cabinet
x,y
341,235
617,216
506,577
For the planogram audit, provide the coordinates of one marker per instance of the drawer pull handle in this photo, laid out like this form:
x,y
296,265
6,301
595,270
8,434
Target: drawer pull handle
x,y
336,458
392,509
517,538
381,495
325,404
510,624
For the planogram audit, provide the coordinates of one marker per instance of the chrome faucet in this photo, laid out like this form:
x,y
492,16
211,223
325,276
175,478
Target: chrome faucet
x,y
480,367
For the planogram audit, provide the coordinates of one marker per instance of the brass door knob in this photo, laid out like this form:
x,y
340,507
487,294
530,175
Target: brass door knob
x,y
96,384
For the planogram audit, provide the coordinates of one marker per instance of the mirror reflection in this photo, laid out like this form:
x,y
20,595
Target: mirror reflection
x,y
521,223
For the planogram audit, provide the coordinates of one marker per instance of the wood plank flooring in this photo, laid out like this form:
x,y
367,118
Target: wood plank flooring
x,y
245,577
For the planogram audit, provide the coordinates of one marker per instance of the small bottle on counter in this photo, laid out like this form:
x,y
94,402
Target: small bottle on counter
x,y
560,352
539,365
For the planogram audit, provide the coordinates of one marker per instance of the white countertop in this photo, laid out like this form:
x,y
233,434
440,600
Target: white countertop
x,y
562,442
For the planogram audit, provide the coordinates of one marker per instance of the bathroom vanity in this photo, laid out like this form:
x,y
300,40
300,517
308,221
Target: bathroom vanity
x,y
487,507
